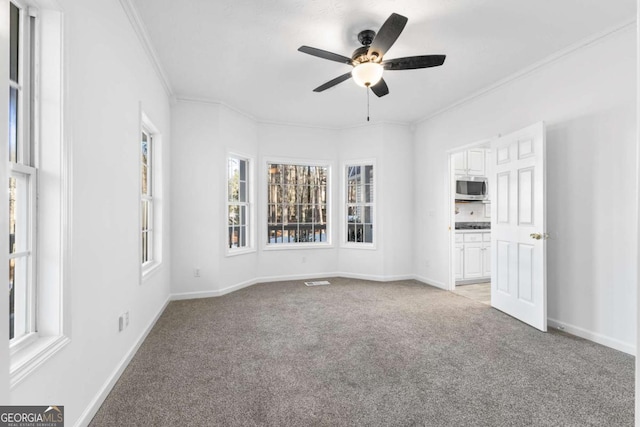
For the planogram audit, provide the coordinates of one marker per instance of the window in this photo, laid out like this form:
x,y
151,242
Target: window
x,y
22,179
238,203
39,220
359,203
297,204
146,198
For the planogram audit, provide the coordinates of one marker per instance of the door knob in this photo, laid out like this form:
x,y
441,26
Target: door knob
x,y
539,236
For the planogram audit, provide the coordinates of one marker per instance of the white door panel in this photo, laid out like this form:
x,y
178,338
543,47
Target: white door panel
x,y
518,260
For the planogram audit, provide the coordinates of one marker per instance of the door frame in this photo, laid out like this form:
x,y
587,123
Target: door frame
x,y
483,143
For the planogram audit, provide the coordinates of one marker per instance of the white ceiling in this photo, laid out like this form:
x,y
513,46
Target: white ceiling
x,y
244,52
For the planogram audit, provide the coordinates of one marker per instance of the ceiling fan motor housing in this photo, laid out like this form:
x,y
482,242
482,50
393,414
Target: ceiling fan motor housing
x,y
366,37
360,55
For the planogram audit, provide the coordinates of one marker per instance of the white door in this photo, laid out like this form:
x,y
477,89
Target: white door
x,y
518,282
486,254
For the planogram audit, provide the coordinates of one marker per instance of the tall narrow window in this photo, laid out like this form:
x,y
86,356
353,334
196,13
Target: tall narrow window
x,y
22,179
297,203
359,203
146,195
238,203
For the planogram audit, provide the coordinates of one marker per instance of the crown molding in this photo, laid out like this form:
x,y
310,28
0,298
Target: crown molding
x,y
536,66
199,100
145,41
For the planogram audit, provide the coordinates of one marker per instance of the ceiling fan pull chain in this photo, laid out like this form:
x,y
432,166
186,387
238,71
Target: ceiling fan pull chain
x,y
368,89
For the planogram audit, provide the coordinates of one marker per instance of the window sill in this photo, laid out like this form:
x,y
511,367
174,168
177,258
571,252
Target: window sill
x,y
243,251
29,358
295,246
365,246
149,270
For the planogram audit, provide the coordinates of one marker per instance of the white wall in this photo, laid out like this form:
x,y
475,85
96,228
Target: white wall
x,y
589,109
198,183
203,135
390,146
107,78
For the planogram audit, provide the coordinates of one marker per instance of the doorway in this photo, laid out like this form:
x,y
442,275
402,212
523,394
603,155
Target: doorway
x,y
470,207
513,253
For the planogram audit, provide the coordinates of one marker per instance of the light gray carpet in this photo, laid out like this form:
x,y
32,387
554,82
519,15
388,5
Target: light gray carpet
x,y
360,353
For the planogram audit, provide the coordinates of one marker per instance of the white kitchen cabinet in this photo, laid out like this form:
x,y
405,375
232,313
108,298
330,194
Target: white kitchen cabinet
x,y
472,268
470,162
473,256
459,261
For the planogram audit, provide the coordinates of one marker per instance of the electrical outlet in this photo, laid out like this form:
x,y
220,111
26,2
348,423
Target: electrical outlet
x,y
126,319
196,272
120,324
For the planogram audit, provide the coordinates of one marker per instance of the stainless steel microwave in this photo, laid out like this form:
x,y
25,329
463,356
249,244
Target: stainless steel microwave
x,y
472,188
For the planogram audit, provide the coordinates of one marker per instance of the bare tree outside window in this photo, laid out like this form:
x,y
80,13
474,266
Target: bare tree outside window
x,y
296,203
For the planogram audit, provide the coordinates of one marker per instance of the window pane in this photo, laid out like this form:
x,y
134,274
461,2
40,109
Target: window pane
x,y
354,214
12,215
145,215
13,125
367,214
296,203
233,214
359,200
145,246
233,237
233,176
14,43
368,233
368,193
243,170
18,294
243,215
352,194
243,192
145,184
146,168
243,236
368,174
18,213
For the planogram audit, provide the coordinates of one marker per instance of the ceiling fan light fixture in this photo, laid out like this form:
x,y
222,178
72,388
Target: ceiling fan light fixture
x,y
367,74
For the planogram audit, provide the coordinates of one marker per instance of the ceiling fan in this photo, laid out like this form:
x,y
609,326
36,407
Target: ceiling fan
x,y
368,60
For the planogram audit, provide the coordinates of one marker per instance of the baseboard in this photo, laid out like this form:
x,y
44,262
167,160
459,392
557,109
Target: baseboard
x,y
431,282
269,279
210,294
374,277
99,399
592,336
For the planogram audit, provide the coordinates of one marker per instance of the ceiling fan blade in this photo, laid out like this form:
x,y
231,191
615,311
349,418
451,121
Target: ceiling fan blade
x,y
332,83
324,54
387,35
380,88
414,62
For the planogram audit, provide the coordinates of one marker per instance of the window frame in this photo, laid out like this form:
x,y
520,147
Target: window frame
x,y
346,204
49,153
249,204
24,165
147,198
266,245
154,197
